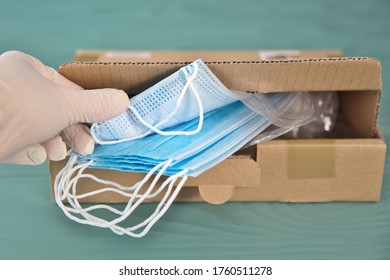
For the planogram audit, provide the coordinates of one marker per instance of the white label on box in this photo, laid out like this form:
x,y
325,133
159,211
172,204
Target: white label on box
x,y
279,54
128,54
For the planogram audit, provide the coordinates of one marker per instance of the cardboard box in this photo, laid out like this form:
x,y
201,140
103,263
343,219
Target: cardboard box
x,y
279,170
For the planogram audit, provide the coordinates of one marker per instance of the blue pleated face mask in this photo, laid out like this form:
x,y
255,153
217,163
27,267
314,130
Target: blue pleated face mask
x,y
222,133
183,96
165,136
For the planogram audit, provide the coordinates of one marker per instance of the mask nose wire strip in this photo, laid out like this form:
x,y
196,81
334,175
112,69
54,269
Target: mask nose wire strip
x,y
165,202
154,128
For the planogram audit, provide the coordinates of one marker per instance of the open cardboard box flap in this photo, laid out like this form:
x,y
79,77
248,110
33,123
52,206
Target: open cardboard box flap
x,y
279,170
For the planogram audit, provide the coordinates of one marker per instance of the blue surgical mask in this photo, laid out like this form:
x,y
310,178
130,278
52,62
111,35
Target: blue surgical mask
x,y
223,131
162,133
183,96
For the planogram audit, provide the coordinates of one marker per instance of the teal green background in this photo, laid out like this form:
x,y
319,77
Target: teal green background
x,y
33,227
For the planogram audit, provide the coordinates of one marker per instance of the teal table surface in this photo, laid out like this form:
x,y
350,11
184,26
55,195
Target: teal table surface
x,y
33,227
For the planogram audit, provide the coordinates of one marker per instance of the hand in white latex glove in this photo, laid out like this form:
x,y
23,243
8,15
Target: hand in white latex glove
x,y
40,111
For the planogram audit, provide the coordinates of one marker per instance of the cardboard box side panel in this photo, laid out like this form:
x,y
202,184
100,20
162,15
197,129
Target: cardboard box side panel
x,y
267,76
235,171
360,110
358,168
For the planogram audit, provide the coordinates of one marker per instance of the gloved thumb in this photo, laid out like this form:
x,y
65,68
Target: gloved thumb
x,y
95,105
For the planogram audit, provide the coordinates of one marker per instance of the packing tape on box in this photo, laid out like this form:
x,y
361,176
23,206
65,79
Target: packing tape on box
x,y
311,159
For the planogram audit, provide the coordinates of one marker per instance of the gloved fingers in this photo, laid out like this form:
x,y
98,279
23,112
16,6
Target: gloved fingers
x,y
79,105
33,155
44,70
95,105
79,138
55,148
92,105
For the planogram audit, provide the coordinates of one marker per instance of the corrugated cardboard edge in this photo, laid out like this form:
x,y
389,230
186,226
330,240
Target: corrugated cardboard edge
x,y
300,60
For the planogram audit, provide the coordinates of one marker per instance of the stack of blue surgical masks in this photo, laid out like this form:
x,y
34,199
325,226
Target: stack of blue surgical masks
x,y
180,127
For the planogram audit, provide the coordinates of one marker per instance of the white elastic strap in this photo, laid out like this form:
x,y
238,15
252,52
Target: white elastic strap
x,y
154,128
72,184
130,207
64,183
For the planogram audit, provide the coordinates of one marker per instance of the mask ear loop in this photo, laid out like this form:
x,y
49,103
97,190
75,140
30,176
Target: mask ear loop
x,y
154,128
93,220
74,181
119,189
130,207
66,185
158,214
159,211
